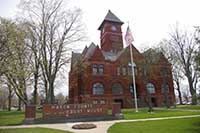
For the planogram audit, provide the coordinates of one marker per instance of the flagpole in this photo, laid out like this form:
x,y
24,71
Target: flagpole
x,y
133,78
129,39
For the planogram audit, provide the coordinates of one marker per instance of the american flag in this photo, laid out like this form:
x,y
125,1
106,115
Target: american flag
x,y
128,37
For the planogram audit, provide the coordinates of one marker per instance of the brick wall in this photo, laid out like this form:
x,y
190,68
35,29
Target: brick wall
x,y
30,112
74,110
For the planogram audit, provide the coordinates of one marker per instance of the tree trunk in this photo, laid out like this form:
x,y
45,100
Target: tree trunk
x,y
51,92
9,97
35,89
192,91
19,104
9,100
179,93
166,99
149,102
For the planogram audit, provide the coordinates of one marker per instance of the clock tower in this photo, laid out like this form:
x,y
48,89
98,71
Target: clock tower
x,y
111,33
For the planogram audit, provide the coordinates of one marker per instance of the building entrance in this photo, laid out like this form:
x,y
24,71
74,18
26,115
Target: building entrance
x,y
119,101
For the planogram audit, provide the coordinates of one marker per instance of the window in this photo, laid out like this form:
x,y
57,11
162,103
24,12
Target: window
x,y
117,88
129,70
113,28
131,88
150,88
163,72
94,69
118,70
102,101
101,69
98,89
103,30
165,88
97,69
123,71
95,101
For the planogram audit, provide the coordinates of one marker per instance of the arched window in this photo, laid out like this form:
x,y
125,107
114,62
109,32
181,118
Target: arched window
x,y
98,89
165,88
117,88
151,88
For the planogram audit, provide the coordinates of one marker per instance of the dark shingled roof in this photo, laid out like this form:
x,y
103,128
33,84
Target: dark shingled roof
x,y
110,17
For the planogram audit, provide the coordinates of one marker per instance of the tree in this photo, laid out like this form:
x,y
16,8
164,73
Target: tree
x,y
16,65
176,71
151,58
55,28
184,47
34,46
3,45
177,77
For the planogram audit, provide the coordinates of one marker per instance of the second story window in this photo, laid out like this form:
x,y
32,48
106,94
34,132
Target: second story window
x,y
118,70
97,69
130,70
94,69
101,69
123,70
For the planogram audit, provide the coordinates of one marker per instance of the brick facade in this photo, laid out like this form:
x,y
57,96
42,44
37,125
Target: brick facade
x,y
30,112
102,75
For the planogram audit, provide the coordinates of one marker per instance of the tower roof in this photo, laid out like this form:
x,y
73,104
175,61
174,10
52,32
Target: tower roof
x,y
111,18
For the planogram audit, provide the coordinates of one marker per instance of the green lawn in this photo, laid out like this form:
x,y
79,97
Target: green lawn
x,y
186,125
192,107
14,117
143,113
32,130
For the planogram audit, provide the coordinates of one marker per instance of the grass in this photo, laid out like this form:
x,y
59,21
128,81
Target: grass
x,y
192,107
14,117
143,113
32,130
186,125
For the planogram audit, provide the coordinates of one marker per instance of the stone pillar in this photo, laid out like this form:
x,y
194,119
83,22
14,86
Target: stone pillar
x,y
30,112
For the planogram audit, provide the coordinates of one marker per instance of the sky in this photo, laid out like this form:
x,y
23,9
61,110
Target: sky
x,y
149,20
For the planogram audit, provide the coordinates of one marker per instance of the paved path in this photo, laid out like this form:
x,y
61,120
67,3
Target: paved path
x,y
177,109
102,126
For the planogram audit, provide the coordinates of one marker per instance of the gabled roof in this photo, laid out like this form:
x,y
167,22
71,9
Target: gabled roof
x,y
90,51
110,56
97,55
85,50
111,18
155,56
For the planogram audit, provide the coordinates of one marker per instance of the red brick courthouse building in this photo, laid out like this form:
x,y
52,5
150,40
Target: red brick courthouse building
x,y
102,75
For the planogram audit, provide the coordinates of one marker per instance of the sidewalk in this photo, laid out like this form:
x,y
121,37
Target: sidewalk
x,y
191,110
102,126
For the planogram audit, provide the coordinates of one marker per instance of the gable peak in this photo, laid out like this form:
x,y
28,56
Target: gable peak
x,y
110,17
